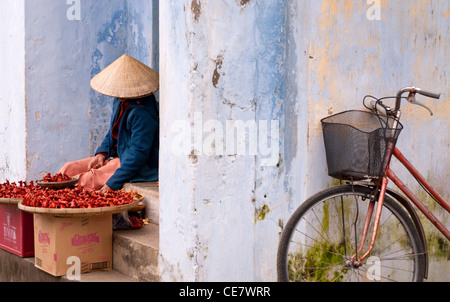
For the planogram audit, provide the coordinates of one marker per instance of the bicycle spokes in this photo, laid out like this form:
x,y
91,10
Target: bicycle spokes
x,y
328,235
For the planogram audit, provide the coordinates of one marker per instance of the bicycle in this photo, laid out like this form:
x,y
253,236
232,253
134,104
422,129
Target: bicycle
x,y
327,238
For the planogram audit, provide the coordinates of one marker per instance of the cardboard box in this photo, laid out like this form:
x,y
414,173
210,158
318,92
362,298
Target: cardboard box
x,y
59,239
16,230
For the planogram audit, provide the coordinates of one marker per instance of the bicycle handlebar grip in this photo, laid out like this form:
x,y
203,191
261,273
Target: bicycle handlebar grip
x,y
429,94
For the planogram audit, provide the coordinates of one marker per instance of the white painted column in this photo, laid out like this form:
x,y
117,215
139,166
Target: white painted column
x,y
221,64
12,91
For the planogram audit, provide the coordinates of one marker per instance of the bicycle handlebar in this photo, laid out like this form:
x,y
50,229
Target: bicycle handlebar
x,y
413,90
377,106
428,94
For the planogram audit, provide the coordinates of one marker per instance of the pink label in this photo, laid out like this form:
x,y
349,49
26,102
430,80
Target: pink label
x,y
78,240
44,238
65,225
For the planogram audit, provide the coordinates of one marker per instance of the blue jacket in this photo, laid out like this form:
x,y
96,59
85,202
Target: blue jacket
x,y
137,143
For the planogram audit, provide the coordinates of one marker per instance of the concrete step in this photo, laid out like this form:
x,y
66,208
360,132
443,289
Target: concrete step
x,y
102,276
135,252
17,269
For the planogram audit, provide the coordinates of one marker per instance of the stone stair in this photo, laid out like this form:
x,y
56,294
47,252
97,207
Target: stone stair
x,y
135,252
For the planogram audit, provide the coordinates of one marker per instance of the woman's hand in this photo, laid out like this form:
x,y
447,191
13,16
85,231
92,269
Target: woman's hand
x,y
97,162
105,188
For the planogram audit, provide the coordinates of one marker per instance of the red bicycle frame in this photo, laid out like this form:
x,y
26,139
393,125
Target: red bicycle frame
x,y
413,198
391,175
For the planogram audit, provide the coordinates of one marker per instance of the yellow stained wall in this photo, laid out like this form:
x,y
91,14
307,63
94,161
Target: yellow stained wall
x,y
351,56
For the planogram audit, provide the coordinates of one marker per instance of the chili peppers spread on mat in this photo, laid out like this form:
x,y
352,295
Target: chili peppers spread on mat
x,y
78,197
13,190
59,177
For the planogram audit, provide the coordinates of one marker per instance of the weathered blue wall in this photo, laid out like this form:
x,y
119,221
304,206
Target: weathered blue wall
x,y
142,31
351,56
66,119
224,60
295,62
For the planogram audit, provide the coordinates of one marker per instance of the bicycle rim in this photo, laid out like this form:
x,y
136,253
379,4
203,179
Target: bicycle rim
x,y
319,241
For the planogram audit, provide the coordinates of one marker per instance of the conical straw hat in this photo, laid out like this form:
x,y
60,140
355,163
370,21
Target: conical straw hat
x,y
126,78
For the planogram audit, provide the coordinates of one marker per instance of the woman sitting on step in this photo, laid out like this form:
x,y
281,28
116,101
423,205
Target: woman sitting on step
x,y
129,152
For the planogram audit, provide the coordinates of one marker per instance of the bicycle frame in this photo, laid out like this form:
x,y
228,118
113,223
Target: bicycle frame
x,y
413,198
391,175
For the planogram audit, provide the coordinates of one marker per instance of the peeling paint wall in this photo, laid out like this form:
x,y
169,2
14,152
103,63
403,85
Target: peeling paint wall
x,y
63,118
12,91
222,209
295,62
62,56
109,41
351,56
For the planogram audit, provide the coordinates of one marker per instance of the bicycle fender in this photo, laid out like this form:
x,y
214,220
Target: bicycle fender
x,y
415,218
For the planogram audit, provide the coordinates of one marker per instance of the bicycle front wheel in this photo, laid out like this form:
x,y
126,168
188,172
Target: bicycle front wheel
x,y
323,235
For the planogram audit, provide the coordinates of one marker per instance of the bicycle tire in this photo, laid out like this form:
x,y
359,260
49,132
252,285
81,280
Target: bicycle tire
x,y
326,257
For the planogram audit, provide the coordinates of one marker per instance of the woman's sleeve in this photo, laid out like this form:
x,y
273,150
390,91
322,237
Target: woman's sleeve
x,y
143,132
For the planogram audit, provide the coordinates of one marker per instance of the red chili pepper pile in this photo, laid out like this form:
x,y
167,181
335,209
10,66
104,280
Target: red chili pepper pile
x,y
59,177
78,197
136,223
13,190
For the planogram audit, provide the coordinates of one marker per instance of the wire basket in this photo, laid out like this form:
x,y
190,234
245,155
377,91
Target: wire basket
x,y
355,143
